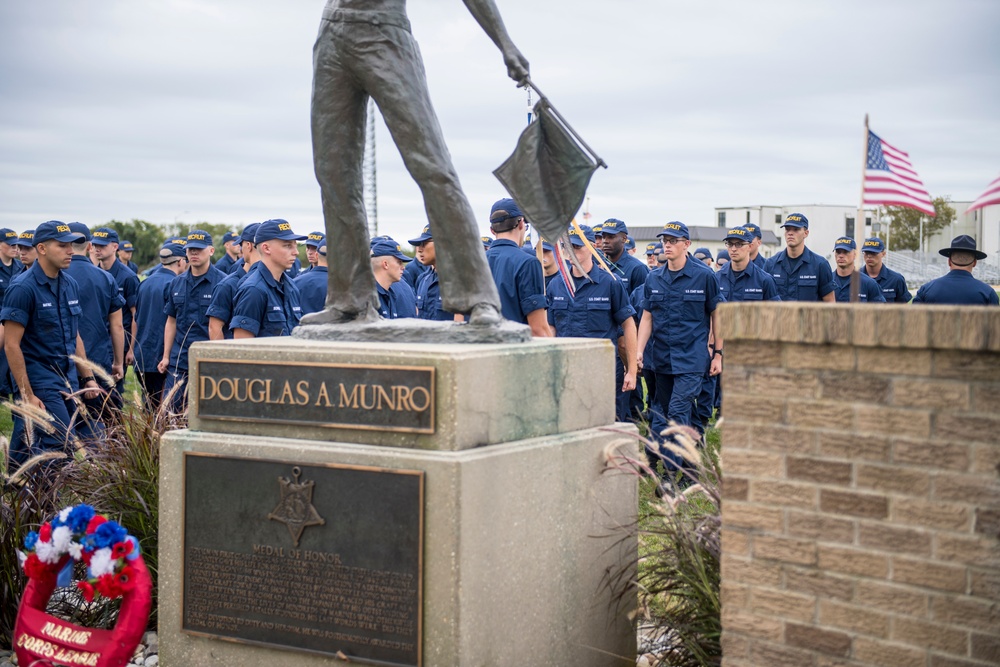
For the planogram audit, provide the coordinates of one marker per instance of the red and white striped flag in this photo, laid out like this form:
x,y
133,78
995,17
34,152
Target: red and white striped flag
x,y
988,198
890,179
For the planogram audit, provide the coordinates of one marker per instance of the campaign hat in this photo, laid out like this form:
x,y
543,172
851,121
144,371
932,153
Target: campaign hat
x,y
963,243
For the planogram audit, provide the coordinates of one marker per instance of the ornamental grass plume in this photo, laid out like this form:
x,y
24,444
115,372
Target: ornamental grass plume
x,y
676,576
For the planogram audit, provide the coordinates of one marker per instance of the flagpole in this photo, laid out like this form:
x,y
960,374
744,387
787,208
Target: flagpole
x,y
859,222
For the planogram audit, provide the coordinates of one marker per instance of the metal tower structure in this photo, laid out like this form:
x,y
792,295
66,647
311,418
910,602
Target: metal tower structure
x,y
370,171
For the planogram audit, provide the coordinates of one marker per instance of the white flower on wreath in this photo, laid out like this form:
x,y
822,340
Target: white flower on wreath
x,y
47,552
102,563
61,537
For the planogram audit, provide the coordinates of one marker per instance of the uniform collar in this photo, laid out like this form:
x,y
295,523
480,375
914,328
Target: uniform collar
x,y
269,279
503,242
41,278
728,270
82,258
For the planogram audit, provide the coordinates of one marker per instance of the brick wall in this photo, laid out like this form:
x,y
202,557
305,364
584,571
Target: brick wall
x,y
861,512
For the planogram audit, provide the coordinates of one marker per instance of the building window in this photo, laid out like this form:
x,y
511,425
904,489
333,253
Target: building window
x,y
722,218
868,221
748,216
777,218
849,228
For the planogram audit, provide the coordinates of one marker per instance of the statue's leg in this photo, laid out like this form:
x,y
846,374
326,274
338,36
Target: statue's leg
x,y
399,87
338,136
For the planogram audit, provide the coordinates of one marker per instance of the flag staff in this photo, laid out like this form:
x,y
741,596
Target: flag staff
x,y
859,224
542,98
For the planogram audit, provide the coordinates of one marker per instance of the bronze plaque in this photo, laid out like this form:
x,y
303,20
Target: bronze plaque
x,y
318,558
383,398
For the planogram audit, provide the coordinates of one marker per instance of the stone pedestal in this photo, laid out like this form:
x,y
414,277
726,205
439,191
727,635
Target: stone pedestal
x,y
519,523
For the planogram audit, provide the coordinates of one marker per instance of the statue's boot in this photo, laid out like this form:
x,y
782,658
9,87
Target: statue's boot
x,y
331,315
485,315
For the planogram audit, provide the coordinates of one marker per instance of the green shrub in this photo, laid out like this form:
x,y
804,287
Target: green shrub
x,y
677,573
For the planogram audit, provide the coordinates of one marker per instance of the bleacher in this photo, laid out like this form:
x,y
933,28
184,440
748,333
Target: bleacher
x,y
919,268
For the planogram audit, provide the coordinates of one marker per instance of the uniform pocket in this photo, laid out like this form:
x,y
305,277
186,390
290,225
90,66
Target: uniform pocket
x,y
274,323
599,317
807,289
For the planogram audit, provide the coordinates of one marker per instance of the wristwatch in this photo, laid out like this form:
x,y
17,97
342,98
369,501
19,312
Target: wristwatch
x,y
717,352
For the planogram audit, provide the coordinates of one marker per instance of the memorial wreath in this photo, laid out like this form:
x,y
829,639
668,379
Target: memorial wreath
x,y
115,569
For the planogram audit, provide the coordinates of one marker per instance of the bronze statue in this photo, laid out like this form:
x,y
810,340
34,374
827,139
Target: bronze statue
x,y
365,49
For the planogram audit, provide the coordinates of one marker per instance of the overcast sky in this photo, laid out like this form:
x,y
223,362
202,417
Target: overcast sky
x,y
190,110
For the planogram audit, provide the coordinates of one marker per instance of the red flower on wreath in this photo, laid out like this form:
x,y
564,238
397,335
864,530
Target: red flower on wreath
x,y
108,587
121,549
94,523
124,578
45,532
36,569
86,589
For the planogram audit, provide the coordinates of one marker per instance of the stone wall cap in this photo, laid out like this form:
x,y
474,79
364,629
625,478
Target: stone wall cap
x,y
975,328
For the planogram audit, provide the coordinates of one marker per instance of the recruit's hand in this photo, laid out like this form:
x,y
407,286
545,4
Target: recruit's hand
x,y
629,383
129,358
716,368
37,402
92,393
517,65
162,366
638,360
117,372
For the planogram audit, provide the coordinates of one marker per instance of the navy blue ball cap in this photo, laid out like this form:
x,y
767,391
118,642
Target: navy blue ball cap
x,y
702,253
845,243
675,229
80,228
753,229
614,226
722,255
599,229
873,244
277,228
796,220
389,248
198,238
126,246
315,239
963,243
630,244
177,240
653,249
8,236
425,235
487,241
743,233
249,232
103,236
228,237
25,238
546,246
505,209
588,233
53,230
170,249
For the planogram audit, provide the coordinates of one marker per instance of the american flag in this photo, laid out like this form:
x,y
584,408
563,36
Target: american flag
x,y
890,179
988,198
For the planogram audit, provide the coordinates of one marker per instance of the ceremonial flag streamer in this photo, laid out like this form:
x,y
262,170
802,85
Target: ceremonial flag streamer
x,y
988,198
890,179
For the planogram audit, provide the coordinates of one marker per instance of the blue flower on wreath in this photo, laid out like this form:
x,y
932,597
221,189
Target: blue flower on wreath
x,y
79,517
108,534
30,540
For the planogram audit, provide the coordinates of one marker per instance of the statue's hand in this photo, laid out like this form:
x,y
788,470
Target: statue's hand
x,y
517,65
